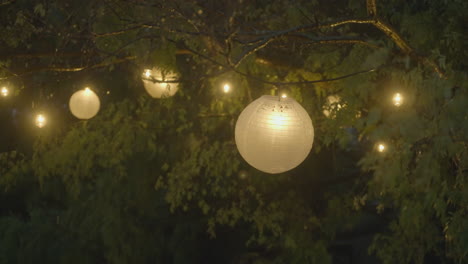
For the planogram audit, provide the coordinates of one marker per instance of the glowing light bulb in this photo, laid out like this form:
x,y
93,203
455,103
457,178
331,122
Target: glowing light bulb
x,y
87,91
397,99
381,147
226,88
40,120
147,73
4,91
284,95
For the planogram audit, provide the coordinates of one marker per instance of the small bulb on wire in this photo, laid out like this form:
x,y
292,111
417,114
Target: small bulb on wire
x,y
284,95
381,147
4,92
147,73
40,120
87,91
397,99
226,88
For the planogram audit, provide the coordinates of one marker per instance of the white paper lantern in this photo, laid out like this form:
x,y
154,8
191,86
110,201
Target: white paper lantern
x,y
84,104
274,135
159,89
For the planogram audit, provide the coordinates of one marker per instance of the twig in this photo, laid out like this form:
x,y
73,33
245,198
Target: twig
x,y
74,69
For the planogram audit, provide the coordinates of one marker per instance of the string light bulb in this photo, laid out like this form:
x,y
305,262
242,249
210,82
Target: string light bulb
x,y
284,95
4,92
147,73
226,88
40,120
381,147
397,99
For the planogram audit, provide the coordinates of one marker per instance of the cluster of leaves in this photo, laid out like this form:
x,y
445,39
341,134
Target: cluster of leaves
x,y
161,180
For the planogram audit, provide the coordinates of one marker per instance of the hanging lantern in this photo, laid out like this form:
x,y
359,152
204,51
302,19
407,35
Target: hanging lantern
x,y
153,85
274,134
84,104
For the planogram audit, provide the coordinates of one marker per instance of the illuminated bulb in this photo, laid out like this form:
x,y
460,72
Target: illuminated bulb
x,y
87,91
381,147
4,92
147,73
40,120
397,99
283,95
226,88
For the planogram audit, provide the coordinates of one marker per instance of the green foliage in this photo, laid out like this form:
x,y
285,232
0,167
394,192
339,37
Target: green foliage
x,y
161,181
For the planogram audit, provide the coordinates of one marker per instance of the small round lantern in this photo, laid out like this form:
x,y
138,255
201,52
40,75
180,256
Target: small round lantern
x,y
157,89
274,134
84,104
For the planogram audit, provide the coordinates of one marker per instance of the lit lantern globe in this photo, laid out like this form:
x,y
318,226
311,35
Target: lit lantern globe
x,y
274,135
159,89
84,104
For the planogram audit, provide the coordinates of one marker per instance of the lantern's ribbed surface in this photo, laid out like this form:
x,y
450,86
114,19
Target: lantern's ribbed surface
x,y
159,89
274,135
84,104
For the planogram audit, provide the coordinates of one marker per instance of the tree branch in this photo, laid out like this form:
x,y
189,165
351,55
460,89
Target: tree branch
x,y
7,2
230,67
371,8
75,69
268,36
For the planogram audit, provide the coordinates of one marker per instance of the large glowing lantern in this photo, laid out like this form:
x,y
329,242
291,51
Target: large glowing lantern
x,y
153,80
84,104
274,134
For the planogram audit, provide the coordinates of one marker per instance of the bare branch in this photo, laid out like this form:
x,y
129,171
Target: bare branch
x,y
267,36
7,2
75,69
372,8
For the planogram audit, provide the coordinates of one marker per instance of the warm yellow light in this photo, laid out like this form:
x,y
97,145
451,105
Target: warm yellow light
x,y
147,73
277,121
4,91
40,120
381,147
283,95
226,88
274,135
87,91
397,99
84,104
